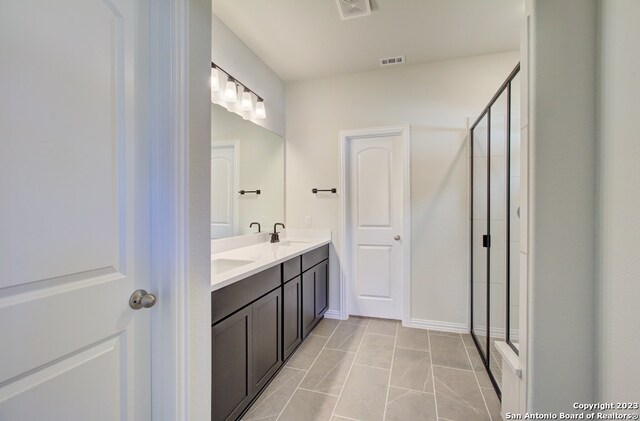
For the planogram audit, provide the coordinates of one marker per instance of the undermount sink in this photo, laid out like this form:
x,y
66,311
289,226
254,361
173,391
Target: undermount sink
x,y
292,243
219,266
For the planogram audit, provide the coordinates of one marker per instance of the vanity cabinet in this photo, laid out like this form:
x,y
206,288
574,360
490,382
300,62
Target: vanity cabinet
x,y
315,287
246,342
291,315
231,371
258,322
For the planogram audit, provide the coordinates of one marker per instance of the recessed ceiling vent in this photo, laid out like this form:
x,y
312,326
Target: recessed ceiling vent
x,y
392,61
350,9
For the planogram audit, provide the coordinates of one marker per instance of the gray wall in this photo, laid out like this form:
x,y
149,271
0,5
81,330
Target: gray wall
x,y
562,213
618,201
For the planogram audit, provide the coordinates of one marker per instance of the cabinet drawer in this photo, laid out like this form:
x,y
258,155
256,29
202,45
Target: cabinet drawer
x,y
314,257
291,269
235,296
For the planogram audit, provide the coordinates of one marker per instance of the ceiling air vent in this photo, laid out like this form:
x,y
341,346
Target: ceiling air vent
x,y
391,61
350,9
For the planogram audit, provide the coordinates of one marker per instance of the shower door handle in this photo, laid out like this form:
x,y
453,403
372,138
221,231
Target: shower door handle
x,y
486,241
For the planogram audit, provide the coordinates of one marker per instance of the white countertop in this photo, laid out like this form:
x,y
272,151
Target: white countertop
x,y
261,255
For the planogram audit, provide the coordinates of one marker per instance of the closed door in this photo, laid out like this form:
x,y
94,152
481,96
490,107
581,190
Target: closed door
x,y
375,224
73,221
224,186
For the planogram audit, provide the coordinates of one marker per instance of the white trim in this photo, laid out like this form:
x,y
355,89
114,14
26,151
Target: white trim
x,y
332,314
169,131
438,325
345,136
236,180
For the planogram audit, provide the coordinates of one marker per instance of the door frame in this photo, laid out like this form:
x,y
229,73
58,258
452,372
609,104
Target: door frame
x,y
236,177
169,119
346,136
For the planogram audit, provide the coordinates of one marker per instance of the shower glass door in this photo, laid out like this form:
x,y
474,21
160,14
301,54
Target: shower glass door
x,y
498,187
480,229
494,161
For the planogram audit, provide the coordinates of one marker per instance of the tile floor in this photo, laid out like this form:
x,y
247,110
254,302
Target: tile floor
x,y
373,369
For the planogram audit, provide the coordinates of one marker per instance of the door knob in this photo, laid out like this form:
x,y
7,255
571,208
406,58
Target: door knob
x,y
141,298
397,238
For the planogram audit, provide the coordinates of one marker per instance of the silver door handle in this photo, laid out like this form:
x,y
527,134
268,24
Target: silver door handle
x,y
397,238
141,298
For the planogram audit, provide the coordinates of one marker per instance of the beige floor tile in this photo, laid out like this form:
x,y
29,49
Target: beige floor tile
x,y
357,320
483,378
476,360
458,395
347,337
383,327
376,351
364,394
443,333
276,395
307,352
493,403
325,327
405,405
309,406
329,372
408,337
468,340
449,351
412,370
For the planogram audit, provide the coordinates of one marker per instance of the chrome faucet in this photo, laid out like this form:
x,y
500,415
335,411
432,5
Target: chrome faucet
x,y
255,223
275,235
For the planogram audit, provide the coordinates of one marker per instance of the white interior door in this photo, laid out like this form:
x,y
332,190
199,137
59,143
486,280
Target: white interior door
x,y
74,242
375,225
224,190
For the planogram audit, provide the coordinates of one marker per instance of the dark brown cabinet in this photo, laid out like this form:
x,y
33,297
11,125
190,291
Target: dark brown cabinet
x,y
232,350
246,348
291,315
315,293
258,322
266,338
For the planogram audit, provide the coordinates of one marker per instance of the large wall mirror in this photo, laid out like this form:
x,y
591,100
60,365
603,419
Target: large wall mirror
x,y
245,158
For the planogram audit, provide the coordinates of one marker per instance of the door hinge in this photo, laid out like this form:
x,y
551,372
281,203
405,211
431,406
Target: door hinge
x,y
486,241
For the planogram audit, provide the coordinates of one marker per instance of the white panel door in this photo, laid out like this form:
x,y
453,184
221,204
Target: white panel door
x,y
375,208
224,190
74,242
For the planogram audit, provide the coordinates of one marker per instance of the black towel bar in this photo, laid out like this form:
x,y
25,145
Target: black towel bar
x,y
333,190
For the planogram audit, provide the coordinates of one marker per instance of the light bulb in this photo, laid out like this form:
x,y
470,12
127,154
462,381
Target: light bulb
x,y
215,80
246,103
260,111
231,91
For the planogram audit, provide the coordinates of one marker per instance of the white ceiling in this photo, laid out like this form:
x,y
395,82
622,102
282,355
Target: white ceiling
x,y
305,39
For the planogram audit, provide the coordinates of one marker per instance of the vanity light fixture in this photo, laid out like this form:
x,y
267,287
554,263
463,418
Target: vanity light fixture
x,y
215,78
260,111
232,90
247,101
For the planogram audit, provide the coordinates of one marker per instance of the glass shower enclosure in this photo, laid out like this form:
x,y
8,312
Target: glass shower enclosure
x,y
495,225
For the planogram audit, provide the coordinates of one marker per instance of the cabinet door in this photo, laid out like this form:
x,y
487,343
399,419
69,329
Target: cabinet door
x,y
322,288
267,337
308,301
292,313
231,372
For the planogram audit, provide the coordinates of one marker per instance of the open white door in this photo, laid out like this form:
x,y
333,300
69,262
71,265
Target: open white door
x,y
376,221
74,238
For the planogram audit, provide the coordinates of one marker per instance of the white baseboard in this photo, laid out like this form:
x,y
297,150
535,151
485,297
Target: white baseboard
x,y
332,314
439,326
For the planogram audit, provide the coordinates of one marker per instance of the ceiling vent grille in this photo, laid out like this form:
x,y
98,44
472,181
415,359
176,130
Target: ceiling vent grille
x,y
350,9
392,61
